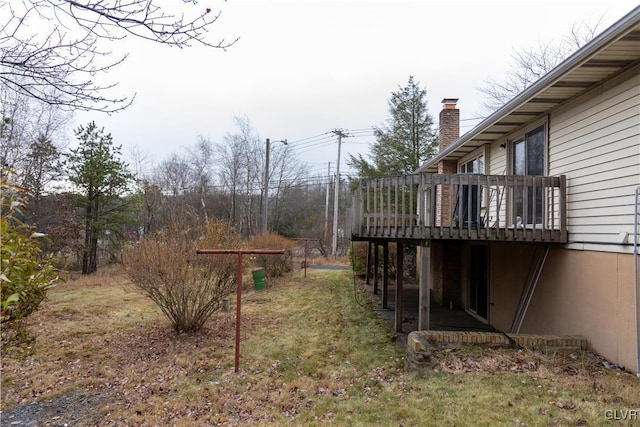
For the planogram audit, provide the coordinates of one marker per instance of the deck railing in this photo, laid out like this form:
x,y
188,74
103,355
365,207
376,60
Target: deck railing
x,y
461,206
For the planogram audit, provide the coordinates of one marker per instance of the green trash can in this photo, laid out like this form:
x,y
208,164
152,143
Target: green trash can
x,y
259,279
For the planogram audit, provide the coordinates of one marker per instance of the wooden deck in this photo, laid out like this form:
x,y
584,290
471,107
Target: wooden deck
x,y
460,207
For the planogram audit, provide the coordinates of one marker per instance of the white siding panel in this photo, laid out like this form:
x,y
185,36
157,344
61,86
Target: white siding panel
x,y
612,161
496,197
603,193
602,222
622,206
622,106
606,142
603,239
497,161
596,144
602,177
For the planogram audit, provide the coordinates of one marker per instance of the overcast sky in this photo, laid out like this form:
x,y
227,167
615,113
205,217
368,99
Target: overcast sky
x,y
302,68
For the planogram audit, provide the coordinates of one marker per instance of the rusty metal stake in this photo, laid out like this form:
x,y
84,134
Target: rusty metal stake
x,y
305,251
239,284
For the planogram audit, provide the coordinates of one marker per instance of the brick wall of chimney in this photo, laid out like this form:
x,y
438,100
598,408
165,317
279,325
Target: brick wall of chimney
x,y
445,266
449,124
449,132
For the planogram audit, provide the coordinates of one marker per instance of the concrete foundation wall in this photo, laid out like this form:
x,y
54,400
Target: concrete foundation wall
x,y
508,269
585,293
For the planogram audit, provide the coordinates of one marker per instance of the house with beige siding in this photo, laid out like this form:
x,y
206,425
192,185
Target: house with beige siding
x,y
530,220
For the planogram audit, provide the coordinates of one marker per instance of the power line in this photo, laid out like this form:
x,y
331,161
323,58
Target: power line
x,y
313,143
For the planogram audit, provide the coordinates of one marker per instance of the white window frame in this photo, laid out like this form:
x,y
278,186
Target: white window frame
x,y
475,154
518,136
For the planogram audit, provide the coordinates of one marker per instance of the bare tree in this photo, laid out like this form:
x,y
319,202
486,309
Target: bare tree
x,y
51,50
43,169
286,171
32,137
200,159
300,210
23,121
151,207
140,163
240,172
229,153
530,64
253,162
149,215
172,175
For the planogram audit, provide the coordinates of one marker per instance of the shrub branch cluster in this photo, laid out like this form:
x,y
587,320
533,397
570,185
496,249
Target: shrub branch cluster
x,y
187,287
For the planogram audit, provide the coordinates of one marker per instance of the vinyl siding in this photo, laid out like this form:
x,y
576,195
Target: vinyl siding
x,y
595,142
497,165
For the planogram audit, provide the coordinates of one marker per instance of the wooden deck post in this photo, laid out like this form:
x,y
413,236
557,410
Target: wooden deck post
x,y
376,259
424,302
399,274
368,273
385,275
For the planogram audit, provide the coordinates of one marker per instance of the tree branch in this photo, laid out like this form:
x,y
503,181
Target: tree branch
x,y
52,50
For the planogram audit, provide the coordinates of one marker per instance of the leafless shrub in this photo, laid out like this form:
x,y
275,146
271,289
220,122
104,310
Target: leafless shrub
x,y
187,287
274,265
358,257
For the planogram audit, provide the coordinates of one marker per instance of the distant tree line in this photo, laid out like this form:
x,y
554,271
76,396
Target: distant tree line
x,y
90,201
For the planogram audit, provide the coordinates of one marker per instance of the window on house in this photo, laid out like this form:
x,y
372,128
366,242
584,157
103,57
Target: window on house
x,y
528,159
473,166
469,201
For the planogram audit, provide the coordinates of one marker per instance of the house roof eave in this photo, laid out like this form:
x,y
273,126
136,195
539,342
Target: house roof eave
x,y
616,31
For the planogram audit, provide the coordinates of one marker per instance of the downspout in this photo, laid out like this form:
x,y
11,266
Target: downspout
x,y
635,278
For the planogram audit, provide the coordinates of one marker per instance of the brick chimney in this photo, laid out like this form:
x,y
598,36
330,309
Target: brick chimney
x,y
449,132
449,122
445,256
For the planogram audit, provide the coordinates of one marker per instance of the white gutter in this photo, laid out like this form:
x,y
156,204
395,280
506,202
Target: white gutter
x,y
617,30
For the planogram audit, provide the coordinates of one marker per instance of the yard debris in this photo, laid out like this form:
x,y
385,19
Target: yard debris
x,y
477,358
610,365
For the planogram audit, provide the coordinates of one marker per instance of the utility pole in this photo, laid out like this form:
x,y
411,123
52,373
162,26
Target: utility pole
x,y
326,203
265,198
340,134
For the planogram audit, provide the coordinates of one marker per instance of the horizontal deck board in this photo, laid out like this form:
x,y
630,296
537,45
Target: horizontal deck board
x,y
446,233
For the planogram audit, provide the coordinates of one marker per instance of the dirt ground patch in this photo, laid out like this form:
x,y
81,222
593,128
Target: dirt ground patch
x,y
72,408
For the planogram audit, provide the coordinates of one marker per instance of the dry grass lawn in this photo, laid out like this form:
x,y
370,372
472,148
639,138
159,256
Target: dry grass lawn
x,y
311,355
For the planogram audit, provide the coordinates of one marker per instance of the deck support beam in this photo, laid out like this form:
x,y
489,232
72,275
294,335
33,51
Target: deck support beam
x,y
367,280
385,275
376,260
399,275
424,302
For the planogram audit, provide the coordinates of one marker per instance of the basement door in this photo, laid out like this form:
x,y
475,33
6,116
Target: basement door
x,y
478,280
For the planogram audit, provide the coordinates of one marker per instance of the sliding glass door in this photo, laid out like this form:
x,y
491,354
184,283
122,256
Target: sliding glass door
x,y
528,159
